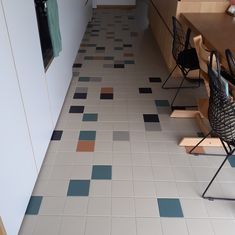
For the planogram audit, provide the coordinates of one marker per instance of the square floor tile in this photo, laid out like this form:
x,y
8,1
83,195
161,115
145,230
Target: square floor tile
x,y
231,161
155,79
87,135
56,135
162,103
123,207
106,90
145,90
81,90
169,207
148,226
72,225
84,79
151,118
78,188
99,206
106,96
34,205
76,109
100,172
119,66
85,146
80,96
173,226
123,226
121,136
90,117
100,225
76,206
152,126
95,79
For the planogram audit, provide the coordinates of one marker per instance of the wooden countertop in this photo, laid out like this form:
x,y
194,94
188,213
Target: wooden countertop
x,y
217,29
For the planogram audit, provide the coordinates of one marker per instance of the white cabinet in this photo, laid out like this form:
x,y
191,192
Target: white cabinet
x,y
17,163
23,33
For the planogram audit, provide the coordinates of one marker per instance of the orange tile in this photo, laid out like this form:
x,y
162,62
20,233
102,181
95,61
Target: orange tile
x,y
86,146
198,150
106,90
128,54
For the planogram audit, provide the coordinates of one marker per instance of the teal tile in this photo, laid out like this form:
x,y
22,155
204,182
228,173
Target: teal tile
x,y
169,207
129,62
84,79
162,103
34,205
87,135
100,172
231,161
90,117
88,58
78,188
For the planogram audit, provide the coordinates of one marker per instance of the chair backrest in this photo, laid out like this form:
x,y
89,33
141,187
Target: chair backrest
x,y
231,62
180,38
221,111
202,52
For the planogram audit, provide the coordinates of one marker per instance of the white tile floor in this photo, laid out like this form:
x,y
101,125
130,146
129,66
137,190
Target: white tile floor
x,y
146,162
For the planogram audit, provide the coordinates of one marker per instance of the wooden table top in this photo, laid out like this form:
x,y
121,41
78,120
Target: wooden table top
x,y
217,30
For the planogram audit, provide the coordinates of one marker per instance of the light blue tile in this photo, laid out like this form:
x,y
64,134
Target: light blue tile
x,y
78,188
34,205
100,172
90,117
169,207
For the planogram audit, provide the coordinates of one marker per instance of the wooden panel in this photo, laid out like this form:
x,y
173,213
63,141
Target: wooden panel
x,y
208,25
208,142
2,229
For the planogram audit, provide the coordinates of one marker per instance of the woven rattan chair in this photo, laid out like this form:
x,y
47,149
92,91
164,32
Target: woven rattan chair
x,y
221,114
184,55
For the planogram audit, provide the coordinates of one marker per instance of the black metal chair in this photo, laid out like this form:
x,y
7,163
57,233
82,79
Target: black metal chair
x,y
221,114
185,57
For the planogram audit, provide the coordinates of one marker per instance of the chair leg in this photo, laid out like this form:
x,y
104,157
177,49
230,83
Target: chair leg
x,y
176,94
176,87
191,151
163,85
217,172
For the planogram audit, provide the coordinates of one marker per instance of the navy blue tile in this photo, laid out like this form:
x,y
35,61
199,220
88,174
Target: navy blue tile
x,y
34,205
80,96
155,79
106,96
231,161
100,172
127,45
78,188
76,109
169,207
145,90
151,118
100,48
119,66
56,135
77,65
108,58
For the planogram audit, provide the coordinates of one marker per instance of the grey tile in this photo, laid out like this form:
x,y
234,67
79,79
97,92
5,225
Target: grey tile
x,y
121,136
152,126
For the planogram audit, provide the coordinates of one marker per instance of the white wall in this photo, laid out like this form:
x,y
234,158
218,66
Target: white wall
x,y
17,163
115,2
31,99
73,20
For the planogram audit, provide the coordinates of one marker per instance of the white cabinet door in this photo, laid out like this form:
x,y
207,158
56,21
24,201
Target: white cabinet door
x,y
17,164
24,37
